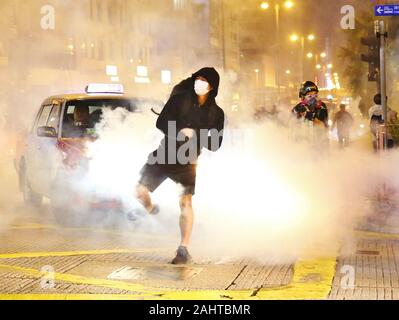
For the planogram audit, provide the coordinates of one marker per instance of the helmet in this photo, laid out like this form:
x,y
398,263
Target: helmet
x,y
306,87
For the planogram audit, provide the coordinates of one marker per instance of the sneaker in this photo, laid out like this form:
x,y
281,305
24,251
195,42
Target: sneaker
x,y
182,256
155,210
136,214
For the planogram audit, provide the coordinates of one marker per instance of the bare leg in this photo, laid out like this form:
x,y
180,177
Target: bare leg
x,y
143,195
186,219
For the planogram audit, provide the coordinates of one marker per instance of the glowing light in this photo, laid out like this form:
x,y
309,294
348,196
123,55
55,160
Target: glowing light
x,y
323,55
329,66
288,4
142,71
310,55
256,70
318,66
311,37
111,70
294,37
104,88
288,71
264,5
285,208
166,76
142,80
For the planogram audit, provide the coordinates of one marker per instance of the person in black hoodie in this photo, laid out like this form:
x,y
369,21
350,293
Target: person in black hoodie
x,y
190,120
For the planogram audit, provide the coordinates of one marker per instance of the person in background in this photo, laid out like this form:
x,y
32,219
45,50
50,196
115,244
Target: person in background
x,y
343,120
376,115
314,114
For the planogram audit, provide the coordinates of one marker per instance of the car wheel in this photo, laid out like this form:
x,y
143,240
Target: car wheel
x,y
31,198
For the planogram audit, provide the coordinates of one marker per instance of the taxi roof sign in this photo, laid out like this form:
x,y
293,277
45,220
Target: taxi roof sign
x,y
105,88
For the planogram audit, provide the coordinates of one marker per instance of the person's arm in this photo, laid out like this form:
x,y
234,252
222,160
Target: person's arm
x,y
168,113
215,139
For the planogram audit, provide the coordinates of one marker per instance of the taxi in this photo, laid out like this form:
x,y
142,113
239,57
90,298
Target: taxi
x,y
52,155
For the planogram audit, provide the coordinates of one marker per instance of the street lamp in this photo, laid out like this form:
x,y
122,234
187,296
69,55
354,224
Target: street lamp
x,y
264,5
294,38
287,5
323,54
257,78
311,37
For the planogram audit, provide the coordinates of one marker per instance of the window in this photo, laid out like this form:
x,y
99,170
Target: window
x,y
54,118
44,115
91,111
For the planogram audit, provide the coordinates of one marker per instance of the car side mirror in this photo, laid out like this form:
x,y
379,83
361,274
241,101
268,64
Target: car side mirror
x,y
48,132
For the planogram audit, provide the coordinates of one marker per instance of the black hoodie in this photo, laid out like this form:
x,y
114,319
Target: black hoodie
x,y
183,108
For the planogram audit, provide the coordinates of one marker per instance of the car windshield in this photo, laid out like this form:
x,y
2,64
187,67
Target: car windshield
x,y
81,116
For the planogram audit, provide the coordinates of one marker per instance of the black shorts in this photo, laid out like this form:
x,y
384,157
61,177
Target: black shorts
x,y
152,176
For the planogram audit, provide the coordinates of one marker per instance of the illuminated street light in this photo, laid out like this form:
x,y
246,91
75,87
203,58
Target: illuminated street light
x,y
111,70
310,55
264,5
288,4
323,55
288,71
294,37
329,66
256,70
311,37
318,66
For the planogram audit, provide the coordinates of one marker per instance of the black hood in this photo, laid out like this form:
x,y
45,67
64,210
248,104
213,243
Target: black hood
x,y
212,76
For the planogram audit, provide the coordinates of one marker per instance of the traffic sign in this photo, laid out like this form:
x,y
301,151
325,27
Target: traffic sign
x,y
387,10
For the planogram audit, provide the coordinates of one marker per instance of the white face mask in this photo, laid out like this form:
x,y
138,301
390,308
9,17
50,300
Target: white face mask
x,y
201,87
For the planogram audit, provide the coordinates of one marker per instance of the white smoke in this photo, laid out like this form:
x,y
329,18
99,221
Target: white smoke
x,y
266,192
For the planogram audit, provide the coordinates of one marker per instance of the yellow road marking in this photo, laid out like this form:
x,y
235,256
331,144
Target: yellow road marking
x,y
70,297
55,227
75,253
83,280
378,235
31,226
312,280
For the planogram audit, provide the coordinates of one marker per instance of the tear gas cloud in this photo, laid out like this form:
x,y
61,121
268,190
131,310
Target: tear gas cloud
x,y
265,193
